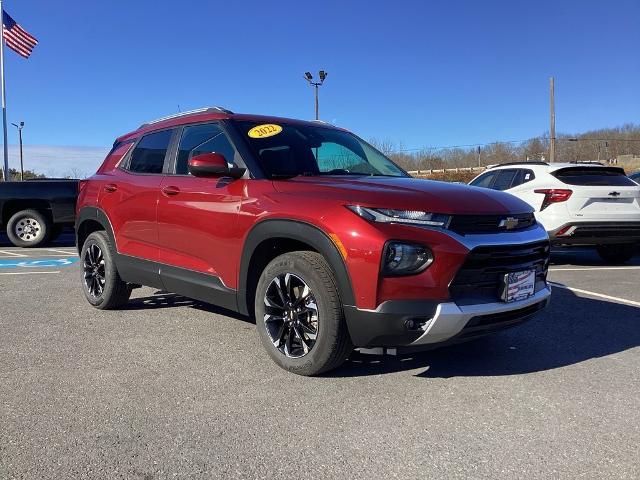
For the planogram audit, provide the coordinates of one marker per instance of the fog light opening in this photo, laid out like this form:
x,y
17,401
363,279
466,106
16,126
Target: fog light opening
x,y
416,324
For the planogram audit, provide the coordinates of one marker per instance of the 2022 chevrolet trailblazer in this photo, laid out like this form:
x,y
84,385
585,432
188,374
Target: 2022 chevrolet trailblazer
x,y
308,228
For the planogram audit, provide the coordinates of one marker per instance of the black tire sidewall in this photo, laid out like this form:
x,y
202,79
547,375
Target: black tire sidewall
x,y
111,274
42,219
329,323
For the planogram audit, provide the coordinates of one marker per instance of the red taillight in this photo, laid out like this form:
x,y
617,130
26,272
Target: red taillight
x,y
553,195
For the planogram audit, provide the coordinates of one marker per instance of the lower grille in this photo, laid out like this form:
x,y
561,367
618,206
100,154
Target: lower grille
x,y
588,231
498,321
483,271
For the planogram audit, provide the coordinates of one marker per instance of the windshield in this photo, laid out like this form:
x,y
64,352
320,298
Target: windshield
x,y
287,150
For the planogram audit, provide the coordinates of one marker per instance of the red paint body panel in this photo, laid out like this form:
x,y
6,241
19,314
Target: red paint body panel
x,y
198,226
132,211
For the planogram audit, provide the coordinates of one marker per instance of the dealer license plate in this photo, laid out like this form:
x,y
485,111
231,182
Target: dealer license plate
x,y
519,285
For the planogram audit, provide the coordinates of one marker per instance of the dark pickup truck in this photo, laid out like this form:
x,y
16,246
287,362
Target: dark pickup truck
x,y
36,211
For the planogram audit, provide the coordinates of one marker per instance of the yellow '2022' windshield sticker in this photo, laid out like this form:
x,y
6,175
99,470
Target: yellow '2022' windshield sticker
x,y
266,130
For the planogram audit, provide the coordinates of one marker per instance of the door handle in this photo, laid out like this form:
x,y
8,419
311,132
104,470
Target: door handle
x,y
110,187
169,191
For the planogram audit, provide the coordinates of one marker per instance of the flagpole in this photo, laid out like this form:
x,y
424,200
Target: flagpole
x,y
4,100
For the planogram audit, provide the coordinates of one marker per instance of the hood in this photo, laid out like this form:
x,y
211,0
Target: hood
x,y
406,194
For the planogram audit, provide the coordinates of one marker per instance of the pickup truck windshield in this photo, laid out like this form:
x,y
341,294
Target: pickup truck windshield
x,y
289,149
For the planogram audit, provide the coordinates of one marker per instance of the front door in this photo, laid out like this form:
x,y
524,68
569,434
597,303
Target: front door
x,y
197,217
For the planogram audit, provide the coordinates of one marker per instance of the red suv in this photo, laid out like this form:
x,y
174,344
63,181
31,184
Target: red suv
x,y
308,228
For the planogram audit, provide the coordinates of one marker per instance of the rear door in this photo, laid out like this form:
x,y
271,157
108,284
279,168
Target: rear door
x,y
600,193
129,196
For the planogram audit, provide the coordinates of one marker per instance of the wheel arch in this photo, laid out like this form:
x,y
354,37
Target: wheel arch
x,y
288,235
89,220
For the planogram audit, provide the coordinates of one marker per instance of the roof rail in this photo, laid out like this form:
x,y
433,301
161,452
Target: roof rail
x,y
213,109
588,162
517,163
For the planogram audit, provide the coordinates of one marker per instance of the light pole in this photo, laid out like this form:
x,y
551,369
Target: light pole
x,y
309,78
20,127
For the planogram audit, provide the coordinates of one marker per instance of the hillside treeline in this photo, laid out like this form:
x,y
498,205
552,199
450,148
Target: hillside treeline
x,y
603,144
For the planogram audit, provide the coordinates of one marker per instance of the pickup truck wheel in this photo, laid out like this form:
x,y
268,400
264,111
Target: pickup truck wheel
x,y
101,282
299,315
616,253
28,228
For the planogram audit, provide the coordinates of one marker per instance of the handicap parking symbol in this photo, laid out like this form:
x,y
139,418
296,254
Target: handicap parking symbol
x,y
45,262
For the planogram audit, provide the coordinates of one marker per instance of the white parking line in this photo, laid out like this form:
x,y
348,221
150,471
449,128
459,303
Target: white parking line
x,y
12,254
66,252
597,295
593,268
27,273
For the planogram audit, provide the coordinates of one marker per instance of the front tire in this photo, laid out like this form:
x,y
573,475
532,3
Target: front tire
x,y
619,253
101,283
299,314
28,229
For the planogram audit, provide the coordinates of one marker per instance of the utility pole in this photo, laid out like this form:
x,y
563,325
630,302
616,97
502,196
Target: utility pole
x,y
20,127
478,155
309,78
552,127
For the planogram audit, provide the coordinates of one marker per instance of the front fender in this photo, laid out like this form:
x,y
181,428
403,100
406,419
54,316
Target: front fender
x,y
302,232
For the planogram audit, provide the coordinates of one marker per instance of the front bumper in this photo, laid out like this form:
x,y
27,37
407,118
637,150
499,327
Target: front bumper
x,y
595,233
413,323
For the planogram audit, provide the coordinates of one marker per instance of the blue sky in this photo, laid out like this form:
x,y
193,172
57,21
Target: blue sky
x,y
420,73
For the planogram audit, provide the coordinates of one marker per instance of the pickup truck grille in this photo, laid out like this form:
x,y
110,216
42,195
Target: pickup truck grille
x,y
482,273
470,224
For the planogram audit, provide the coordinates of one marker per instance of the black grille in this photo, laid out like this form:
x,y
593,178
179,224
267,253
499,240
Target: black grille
x,y
498,321
470,224
483,271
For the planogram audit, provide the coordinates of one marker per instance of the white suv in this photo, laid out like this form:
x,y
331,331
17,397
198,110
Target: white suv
x,y
578,203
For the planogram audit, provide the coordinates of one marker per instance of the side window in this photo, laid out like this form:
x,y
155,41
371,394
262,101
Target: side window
x,y
199,139
504,179
484,180
523,176
148,156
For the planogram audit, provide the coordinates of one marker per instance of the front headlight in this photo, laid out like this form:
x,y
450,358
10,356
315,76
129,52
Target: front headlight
x,y
413,217
403,258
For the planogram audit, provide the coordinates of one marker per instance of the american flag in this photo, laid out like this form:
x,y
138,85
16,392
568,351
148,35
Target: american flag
x,y
16,37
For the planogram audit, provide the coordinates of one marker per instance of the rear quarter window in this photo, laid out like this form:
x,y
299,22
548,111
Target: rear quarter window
x,y
594,176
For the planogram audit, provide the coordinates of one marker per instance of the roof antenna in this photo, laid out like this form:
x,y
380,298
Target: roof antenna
x,y
179,111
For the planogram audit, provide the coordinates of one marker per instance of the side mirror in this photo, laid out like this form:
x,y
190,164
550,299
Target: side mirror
x,y
212,165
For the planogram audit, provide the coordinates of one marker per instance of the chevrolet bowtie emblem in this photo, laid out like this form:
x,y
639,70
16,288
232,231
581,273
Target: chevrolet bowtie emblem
x,y
614,194
509,223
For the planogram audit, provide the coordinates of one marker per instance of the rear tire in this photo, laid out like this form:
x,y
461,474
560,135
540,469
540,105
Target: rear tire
x,y
299,314
28,229
101,283
618,253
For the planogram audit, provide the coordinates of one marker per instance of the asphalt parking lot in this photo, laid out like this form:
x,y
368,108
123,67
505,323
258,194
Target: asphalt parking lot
x,y
174,388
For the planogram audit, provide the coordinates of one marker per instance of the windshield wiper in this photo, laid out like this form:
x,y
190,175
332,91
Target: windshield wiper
x,y
342,173
283,176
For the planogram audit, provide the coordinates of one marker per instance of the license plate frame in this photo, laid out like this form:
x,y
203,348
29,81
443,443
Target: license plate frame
x,y
518,286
